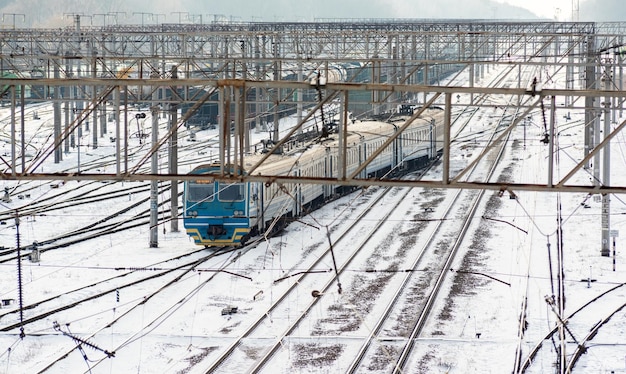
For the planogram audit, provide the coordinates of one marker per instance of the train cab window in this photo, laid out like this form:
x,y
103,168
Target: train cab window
x,y
200,191
231,192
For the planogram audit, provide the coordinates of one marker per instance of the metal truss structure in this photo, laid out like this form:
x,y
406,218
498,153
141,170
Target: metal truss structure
x,y
253,73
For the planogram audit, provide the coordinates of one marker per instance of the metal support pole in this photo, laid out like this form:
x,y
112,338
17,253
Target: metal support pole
x,y
614,100
551,141
277,91
426,75
595,127
447,120
103,119
154,184
118,133
66,114
237,166
590,112
23,129
343,131
56,106
376,79
13,131
276,132
225,130
299,97
569,77
71,107
620,82
244,129
221,125
606,163
94,93
126,135
173,160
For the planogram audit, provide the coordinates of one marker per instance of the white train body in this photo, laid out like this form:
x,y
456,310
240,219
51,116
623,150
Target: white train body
x,y
267,207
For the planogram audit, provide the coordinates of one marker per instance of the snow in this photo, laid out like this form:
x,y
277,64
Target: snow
x,y
182,329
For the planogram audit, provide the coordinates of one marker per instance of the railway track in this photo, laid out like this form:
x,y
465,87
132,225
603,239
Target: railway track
x,y
231,355
373,352
129,215
580,332
471,206
121,346
55,198
310,280
171,276
111,285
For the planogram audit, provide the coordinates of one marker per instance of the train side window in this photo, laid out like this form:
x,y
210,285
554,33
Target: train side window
x,y
231,192
200,191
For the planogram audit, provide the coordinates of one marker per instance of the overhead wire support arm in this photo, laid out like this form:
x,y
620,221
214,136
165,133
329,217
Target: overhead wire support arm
x,y
591,154
302,272
81,341
447,124
496,141
174,128
84,114
291,132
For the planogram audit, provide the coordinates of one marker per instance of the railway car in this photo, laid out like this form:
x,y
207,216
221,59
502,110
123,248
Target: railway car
x,y
225,214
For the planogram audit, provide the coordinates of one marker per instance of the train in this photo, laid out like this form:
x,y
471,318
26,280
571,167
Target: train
x,y
221,214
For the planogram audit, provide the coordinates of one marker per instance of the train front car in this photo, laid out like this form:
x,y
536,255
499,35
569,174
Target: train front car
x,y
215,213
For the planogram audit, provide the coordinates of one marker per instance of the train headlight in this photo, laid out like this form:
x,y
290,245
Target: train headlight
x,y
238,213
192,213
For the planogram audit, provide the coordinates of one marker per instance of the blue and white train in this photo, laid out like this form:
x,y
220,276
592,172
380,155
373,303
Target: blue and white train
x,y
218,214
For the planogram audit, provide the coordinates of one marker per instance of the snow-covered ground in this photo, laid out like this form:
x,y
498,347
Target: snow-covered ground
x,y
512,256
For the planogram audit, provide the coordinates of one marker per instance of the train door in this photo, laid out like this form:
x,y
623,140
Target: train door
x,y
261,206
297,192
362,150
328,173
396,149
255,208
432,140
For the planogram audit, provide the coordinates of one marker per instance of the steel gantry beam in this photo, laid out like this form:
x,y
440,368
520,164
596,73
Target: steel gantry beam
x,y
138,171
97,75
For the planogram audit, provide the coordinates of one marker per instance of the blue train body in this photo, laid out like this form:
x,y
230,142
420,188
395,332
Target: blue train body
x,y
215,213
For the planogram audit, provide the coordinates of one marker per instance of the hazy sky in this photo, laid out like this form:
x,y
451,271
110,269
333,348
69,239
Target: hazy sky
x,y
553,9
55,13
561,10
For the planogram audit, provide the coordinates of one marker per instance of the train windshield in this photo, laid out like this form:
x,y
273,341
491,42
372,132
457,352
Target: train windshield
x,y
199,192
231,192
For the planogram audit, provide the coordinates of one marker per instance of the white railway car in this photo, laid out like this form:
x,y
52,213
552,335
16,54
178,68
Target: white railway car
x,y
223,214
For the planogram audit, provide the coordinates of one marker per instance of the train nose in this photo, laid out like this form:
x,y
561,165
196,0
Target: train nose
x,y
216,230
